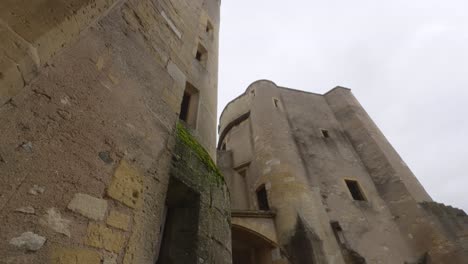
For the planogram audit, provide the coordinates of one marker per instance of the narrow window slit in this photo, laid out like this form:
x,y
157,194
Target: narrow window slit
x,y
276,102
355,190
202,55
262,199
325,133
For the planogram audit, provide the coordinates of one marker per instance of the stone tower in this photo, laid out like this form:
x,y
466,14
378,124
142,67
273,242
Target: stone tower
x,y
313,180
108,124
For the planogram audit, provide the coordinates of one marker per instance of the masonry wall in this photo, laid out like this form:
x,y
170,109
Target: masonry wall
x,y
91,92
304,173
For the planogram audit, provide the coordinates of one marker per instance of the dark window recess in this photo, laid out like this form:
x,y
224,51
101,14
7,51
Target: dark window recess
x,y
209,27
325,133
184,107
223,147
201,55
355,190
338,231
262,199
189,106
276,102
198,56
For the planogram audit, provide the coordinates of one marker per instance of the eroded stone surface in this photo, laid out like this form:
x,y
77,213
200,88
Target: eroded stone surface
x,y
88,206
36,190
126,186
26,210
118,220
75,256
100,236
29,241
53,219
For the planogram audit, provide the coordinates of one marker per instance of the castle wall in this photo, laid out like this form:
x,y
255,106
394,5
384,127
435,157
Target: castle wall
x,y
306,146
395,183
301,220
368,226
91,92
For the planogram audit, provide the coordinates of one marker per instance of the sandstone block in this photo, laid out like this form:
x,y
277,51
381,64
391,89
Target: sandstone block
x,y
176,74
88,206
126,185
75,256
119,220
172,100
100,236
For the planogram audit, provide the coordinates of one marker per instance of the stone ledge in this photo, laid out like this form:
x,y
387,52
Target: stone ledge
x,y
253,213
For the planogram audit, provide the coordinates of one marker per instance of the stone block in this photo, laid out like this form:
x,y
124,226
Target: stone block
x,y
53,219
119,220
28,241
11,80
126,186
172,100
100,236
88,206
21,52
176,74
75,256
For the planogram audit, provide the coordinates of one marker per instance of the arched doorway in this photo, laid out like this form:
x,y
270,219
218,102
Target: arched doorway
x,y
249,247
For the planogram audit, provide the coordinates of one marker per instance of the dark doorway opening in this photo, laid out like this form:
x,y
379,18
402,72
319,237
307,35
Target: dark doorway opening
x,y
180,235
250,248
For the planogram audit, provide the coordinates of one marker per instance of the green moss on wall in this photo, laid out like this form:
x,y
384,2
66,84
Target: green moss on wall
x,y
184,137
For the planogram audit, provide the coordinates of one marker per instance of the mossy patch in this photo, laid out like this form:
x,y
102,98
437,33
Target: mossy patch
x,y
184,136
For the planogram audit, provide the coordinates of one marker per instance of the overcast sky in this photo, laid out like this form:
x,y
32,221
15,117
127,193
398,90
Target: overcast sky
x,y
405,60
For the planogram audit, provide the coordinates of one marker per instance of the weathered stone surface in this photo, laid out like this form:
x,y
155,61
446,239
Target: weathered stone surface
x,y
26,210
88,206
36,189
28,241
126,186
53,219
176,74
110,259
75,256
101,236
100,92
119,220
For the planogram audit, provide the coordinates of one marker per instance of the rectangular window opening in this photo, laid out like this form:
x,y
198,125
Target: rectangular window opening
x,y
276,102
223,147
189,106
338,231
262,199
355,190
325,133
209,27
201,55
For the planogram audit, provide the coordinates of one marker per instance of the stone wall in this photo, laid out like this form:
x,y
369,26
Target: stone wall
x,y
304,148
193,168
90,93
